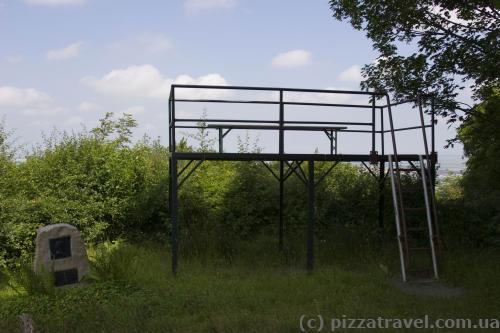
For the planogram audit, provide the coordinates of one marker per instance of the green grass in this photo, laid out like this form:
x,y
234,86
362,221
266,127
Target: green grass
x,y
257,290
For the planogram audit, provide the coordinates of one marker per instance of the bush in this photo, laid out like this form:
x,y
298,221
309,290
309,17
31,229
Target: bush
x,y
111,188
24,280
481,182
96,180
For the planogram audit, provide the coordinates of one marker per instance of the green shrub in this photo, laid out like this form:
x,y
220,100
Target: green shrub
x,y
481,182
24,280
96,180
113,261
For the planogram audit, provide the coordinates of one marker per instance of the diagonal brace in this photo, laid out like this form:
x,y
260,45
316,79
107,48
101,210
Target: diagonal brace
x,y
184,168
271,170
415,167
189,173
332,136
327,173
294,170
304,177
370,170
291,167
222,135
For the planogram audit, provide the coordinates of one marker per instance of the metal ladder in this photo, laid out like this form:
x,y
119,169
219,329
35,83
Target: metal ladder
x,y
416,218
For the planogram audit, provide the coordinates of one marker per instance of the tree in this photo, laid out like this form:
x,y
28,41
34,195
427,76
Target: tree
x,y
120,128
481,139
454,42
202,135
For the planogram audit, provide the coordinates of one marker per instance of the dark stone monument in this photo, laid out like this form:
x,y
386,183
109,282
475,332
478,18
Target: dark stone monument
x,y
60,250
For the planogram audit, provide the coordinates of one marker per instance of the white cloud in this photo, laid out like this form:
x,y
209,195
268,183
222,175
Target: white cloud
x,y
206,80
28,102
198,5
18,97
352,74
88,107
55,2
67,52
148,43
294,58
134,81
146,81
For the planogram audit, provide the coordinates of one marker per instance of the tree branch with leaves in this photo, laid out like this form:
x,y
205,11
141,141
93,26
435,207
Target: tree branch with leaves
x,y
455,43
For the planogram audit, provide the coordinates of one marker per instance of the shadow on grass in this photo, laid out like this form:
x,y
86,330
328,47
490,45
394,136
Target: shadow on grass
x,y
258,290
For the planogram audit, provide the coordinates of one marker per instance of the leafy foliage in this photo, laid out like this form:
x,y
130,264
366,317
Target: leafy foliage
x,y
113,189
481,138
439,48
94,180
254,294
23,280
448,40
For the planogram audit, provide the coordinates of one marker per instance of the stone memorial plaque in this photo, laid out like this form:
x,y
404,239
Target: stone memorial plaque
x,y
69,276
60,248
60,251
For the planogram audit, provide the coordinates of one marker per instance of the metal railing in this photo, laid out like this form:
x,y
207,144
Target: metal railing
x,y
281,125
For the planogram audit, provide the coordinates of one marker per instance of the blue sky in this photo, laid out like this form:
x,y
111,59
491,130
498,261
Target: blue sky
x,y
63,63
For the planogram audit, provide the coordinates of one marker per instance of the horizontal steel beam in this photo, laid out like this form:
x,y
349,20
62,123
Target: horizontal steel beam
x,y
270,127
236,101
287,128
285,157
239,101
328,122
406,101
252,121
357,106
407,128
209,120
352,92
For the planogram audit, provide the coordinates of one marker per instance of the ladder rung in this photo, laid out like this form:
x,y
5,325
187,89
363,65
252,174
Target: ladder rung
x,y
422,275
414,208
411,190
420,271
409,170
419,248
417,229
416,226
414,229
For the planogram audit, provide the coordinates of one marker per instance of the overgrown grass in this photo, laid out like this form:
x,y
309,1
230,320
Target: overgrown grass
x,y
258,290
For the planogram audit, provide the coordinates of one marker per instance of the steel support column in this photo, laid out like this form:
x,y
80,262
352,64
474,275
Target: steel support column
x,y
281,125
381,188
373,125
332,147
281,230
311,216
221,140
336,142
433,143
174,213
381,194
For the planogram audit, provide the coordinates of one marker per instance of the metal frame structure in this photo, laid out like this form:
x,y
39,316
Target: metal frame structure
x,y
291,163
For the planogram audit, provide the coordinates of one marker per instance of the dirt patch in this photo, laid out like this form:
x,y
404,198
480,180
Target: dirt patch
x,y
427,288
